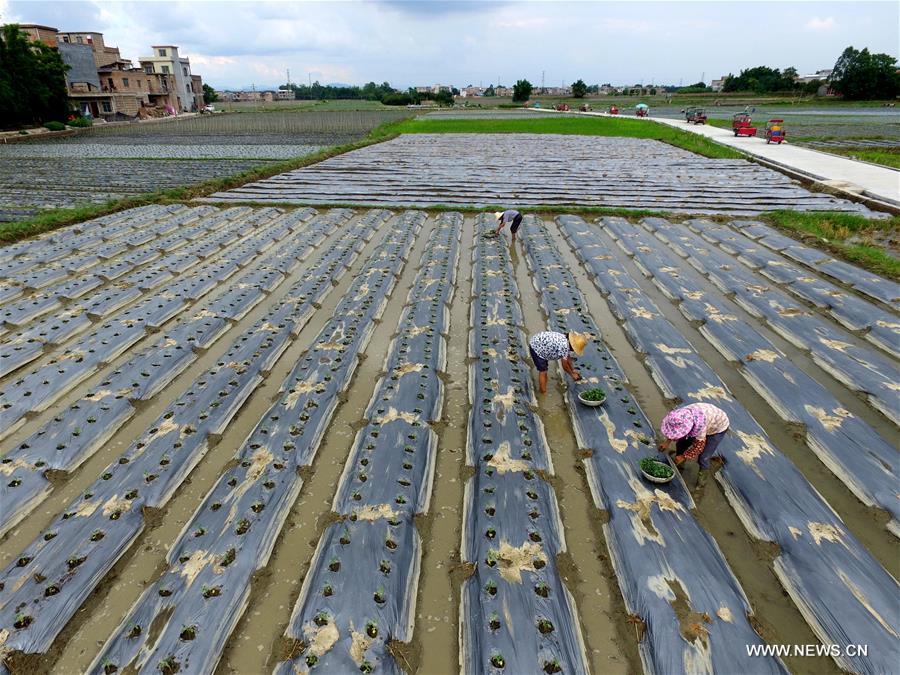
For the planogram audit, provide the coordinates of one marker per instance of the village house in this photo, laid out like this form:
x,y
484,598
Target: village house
x,y
166,61
103,85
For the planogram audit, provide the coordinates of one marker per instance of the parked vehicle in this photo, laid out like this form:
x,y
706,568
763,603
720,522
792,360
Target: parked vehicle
x,y
562,107
585,107
642,110
613,110
742,125
775,132
695,116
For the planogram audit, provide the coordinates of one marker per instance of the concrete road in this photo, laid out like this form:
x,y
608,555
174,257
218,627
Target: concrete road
x,y
877,182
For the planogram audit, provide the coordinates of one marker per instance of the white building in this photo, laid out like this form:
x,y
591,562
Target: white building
x,y
166,60
818,75
434,89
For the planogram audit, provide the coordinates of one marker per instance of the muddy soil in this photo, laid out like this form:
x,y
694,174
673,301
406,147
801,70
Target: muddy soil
x,y
257,643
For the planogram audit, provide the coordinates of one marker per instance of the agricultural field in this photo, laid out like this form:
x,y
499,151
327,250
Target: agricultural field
x,y
105,163
256,439
422,169
867,134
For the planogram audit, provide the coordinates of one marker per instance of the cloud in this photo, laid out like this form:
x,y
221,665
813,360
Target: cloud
x,y
816,23
409,42
523,23
438,7
628,25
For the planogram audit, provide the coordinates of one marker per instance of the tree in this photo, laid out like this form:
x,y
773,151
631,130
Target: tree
x,y
399,98
579,89
761,80
522,91
489,91
32,80
859,75
812,87
443,97
209,94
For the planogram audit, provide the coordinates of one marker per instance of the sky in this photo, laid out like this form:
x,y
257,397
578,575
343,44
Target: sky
x,y
417,42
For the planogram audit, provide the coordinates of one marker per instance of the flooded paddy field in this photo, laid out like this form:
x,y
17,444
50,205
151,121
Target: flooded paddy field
x,y
251,439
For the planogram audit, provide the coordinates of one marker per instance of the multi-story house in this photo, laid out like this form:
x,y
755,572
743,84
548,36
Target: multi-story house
x,y
38,33
103,85
103,55
197,87
166,61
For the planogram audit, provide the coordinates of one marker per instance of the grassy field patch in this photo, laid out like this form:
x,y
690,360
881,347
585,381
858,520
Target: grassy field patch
x,y
576,125
884,156
853,237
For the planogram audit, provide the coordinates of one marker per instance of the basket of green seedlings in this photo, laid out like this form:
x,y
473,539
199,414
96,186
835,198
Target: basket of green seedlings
x,y
592,397
656,470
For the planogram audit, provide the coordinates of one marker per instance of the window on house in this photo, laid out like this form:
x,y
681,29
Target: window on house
x,y
79,40
125,82
65,38
162,52
107,108
185,71
112,85
148,70
190,91
165,70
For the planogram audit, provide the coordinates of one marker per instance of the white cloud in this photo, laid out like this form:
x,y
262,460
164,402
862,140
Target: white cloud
x,y
816,23
523,23
241,42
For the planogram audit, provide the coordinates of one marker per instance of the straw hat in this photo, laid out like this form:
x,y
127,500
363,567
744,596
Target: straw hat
x,y
497,214
578,341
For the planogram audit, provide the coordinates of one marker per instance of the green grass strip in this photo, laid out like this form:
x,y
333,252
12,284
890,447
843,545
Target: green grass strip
x,y
889,157
576,125
847,235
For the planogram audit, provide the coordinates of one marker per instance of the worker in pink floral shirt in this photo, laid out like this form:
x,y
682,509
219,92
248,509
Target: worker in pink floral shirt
x,y
697,429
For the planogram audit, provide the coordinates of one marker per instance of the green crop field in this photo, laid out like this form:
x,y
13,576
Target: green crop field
x,y
581,126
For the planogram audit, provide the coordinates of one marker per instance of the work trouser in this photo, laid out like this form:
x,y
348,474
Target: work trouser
x,y
712,444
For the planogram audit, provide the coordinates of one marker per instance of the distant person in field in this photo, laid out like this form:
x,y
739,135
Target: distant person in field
x,y
697,429
552,346
509,217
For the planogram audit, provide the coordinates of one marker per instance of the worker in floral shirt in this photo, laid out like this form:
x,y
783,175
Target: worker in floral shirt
x,y
697,429
550,346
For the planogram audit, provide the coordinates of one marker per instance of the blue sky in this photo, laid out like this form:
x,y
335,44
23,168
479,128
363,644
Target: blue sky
x,y
236,44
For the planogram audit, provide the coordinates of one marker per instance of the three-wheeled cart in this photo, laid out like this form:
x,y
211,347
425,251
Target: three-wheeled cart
x,y
742,125
695,116
775,131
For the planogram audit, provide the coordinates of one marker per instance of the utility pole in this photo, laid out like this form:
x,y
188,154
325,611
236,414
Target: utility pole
x,y
310,80
703,76
543,89
288,78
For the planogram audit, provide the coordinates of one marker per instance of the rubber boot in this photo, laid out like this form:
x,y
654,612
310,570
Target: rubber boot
x,y
702,478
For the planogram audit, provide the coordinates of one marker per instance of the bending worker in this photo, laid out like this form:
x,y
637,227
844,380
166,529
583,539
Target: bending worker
x,y
697,429
552,346
509,217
